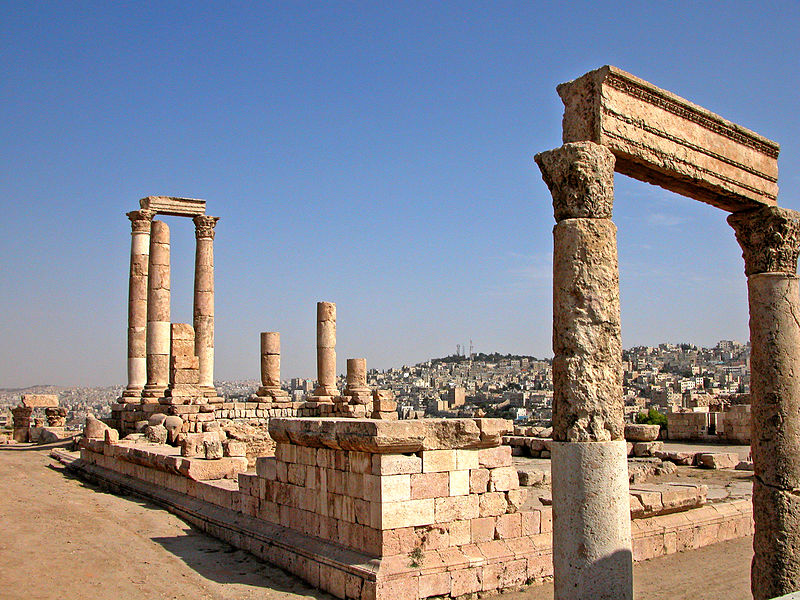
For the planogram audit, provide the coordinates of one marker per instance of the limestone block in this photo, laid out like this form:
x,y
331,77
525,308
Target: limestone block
x,y
459,483
718,460
173,424
478,481
467,459
409,513
482,529
491,458
493,430
212,449
502,479
438,460
516,499
663,139
641,433
456,508
39,400
94,428
199,469
492,504
508,526
395,488
395,464
430,485
111,436
647,448
156,419
156,434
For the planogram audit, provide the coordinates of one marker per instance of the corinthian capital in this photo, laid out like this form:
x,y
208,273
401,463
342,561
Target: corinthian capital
x,y
770,239
580,176
204,226
141,220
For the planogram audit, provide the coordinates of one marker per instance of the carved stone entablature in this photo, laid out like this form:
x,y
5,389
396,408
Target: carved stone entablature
x,y
141,220
664,139
204,226
580,176
770,239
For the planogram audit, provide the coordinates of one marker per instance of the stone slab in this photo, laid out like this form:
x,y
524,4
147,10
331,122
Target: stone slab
x,y
169,205
663,139
379,436
39,400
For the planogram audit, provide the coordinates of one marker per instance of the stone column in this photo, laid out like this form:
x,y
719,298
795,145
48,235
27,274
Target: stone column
x,y
137,304
204,299
592,555
356,387
21,416
271,366
158,312
770,238
326,350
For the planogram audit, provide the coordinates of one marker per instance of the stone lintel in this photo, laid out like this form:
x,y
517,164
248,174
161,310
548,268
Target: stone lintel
x,y
178,207
663,139
39,400
389,437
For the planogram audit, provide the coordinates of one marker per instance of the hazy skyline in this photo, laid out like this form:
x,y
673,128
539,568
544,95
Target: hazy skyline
x,y
376,155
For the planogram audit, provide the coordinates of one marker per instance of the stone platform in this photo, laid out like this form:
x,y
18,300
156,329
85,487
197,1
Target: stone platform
x,y
378,509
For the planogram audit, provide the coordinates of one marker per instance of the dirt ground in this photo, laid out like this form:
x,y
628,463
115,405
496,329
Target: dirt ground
x,y
62,538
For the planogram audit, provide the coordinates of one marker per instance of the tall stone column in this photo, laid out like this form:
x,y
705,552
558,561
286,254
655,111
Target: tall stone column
x,y
326,350
158,312
770,239
592,555
137,304
204,299
271,367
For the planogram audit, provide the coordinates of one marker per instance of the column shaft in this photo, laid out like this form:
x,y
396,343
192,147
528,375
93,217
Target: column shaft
x,y
158,312
770,238
592,555
204,298
137,304
326,349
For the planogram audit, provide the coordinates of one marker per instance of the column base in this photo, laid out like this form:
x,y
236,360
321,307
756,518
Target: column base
x,y
592,556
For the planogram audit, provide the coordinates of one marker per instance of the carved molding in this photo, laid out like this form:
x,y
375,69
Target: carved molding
x,y
141,220
770,239
204,226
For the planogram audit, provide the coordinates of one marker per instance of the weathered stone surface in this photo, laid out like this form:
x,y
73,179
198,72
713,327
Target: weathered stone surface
x,y
580,177
389,437
587,367
770,239
641,433
156,419
718,460
213,449
647,448
157,434
663,139
326,350
169,205
679,458
39,400
776,570
173,425
94,428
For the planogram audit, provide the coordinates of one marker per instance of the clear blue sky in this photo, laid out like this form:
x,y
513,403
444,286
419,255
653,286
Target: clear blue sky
x,y
379,155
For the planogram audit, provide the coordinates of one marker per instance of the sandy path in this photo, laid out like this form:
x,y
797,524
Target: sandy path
x,y
64,539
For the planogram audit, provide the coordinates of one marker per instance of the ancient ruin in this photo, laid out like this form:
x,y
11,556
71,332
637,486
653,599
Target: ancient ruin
x,y
337,490
615,121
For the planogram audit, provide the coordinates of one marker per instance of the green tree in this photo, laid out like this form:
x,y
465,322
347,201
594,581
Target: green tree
x,y
652,417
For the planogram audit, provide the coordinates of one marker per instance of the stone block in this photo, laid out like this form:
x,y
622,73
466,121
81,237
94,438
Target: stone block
x,y
395,488
663,139
408,513
199,469
493,504
495,457
459,483
478,481
502,479
641,449
438,460
641,432
39,400
430,485
456,508
718,460
396,464
212,449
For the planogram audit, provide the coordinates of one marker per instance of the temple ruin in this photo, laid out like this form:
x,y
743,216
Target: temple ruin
x,y
614,121
369,507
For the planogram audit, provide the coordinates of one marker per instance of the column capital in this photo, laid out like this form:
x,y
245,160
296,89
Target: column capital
x,y
770,239
580,177
204,226
141,220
